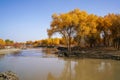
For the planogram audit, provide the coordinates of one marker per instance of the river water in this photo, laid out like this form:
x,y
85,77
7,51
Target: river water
x,y
40,64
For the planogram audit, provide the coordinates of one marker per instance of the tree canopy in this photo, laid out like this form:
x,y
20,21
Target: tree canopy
x,y
83,27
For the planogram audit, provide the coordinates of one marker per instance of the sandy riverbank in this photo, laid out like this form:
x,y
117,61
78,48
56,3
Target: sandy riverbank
x,y
7,51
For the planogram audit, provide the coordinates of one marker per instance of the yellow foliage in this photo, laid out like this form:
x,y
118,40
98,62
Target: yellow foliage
x,y
77,23
2,42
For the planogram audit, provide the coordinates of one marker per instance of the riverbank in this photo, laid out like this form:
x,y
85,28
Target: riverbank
x,y
94,53
7,51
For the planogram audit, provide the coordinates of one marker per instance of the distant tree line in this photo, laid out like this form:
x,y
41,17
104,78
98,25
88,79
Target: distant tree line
x,y
47,42
6,42
10,44
30,44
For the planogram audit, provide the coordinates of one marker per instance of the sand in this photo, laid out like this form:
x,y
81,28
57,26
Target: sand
x,y
7,51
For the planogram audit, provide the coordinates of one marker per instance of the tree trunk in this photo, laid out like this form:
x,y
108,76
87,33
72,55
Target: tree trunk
x,y
82,41
69,45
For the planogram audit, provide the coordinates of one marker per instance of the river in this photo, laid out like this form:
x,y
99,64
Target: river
x,y
41,64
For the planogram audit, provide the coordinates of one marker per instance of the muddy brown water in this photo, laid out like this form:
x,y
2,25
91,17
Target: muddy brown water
x,y
40,64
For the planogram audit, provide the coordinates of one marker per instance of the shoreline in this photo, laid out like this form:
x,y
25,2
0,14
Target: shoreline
x,y
7,51
98,53
92,53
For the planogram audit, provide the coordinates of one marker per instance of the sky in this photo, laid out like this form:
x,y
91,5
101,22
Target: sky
x,y
24,20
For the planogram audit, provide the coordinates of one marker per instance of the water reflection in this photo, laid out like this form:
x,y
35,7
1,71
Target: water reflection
x,y
88,69
36,64
1,56
35,52
104,66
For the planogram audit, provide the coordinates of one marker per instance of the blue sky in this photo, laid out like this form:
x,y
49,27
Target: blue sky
x,y
23,20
